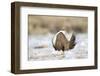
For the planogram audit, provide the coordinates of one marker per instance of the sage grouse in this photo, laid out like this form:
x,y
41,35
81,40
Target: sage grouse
x,y
63,41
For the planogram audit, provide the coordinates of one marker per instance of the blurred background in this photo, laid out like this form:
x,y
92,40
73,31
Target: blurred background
x,y
42,30
39,24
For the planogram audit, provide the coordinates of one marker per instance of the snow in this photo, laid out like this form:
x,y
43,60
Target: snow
x,y
45,50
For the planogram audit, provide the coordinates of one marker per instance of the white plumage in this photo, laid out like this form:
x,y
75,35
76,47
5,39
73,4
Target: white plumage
x,y
63,41
67,35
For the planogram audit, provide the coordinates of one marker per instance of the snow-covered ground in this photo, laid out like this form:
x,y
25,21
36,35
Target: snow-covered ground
x,y
40,48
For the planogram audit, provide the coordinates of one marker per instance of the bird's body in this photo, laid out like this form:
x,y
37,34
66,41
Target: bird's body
x,y
63,41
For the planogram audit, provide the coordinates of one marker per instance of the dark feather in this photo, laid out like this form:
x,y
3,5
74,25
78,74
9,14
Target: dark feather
x,y
61,42
72,42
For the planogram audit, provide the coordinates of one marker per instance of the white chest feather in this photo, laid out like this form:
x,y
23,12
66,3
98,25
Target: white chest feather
x,y
67,35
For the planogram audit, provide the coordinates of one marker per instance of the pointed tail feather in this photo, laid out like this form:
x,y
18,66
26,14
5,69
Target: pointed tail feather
x,y
72,42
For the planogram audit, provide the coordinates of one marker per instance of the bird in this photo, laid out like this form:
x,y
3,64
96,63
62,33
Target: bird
x,y
63,41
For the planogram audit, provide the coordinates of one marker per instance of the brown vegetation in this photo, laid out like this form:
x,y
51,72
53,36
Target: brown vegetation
x,y
44,24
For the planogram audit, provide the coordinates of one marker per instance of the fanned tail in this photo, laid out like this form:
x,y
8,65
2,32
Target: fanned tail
x,y
72,42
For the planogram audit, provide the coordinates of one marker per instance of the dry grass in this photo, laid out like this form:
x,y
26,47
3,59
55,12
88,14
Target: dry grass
x,y
45,24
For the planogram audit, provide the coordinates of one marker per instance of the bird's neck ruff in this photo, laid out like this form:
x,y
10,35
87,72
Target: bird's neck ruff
x,y
67,35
